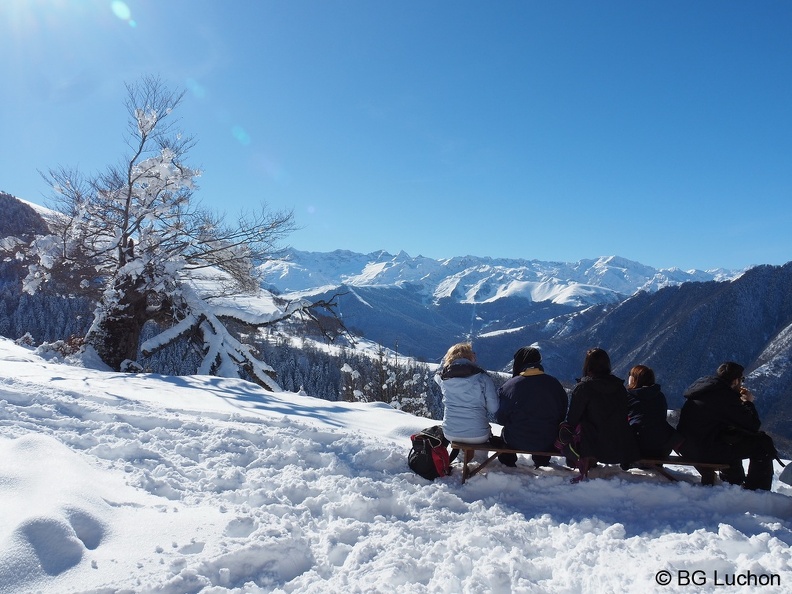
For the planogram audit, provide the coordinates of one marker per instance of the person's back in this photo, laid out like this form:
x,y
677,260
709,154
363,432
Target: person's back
x,y
469,396
532,404
720,424
711,407
599,405
648,414
531,408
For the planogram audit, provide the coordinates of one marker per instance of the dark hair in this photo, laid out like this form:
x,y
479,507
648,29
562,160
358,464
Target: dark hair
x,y
524,358
597,363
644,376
730,371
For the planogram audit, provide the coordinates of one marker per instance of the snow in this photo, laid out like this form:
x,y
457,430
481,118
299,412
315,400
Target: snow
x,y
146,120
142,483
472,279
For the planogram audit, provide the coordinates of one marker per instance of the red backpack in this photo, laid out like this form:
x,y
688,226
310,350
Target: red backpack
x,y
429,456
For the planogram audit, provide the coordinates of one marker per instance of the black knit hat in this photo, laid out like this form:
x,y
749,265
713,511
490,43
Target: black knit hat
x,y
524,358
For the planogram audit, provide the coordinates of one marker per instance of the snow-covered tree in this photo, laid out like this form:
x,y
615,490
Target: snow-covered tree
x,y
136,238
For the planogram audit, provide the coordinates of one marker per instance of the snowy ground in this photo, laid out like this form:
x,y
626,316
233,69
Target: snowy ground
x,y
114,483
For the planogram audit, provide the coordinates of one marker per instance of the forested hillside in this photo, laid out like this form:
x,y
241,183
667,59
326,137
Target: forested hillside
x,y
48,315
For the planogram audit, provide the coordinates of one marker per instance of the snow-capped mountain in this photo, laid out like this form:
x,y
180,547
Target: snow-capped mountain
x,y
419,306
478,280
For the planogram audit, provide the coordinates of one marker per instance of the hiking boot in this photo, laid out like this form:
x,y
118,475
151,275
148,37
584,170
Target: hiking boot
x,y
508,459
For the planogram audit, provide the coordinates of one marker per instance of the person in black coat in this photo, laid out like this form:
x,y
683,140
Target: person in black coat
x,y
647,414
720,424
532,404
599,407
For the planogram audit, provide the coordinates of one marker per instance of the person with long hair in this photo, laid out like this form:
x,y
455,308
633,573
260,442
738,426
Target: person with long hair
x,y
469,396
598,412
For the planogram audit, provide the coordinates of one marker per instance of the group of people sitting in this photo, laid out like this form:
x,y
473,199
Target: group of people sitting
x,y
604,421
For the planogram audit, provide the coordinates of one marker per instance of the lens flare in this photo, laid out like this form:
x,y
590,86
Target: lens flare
x,y
122,11
196,88
239,133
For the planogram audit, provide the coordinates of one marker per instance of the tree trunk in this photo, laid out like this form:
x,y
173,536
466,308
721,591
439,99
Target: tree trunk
x,y
118,321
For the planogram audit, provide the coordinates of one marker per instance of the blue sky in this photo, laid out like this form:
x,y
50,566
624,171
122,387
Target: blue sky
x,y
656,131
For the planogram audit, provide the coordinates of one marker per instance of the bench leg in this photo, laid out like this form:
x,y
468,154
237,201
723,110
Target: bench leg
x,y
466,458
663,472
466,472
707,475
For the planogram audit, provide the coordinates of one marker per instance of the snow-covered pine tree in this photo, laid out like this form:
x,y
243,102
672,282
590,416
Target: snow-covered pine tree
x,y
135,236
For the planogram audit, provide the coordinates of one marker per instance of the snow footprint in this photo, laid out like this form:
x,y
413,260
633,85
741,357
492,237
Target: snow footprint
x,y
87,528
55,543
241,527
59,543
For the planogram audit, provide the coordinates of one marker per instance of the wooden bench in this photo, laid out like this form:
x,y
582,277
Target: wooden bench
x,y
705,469
469,449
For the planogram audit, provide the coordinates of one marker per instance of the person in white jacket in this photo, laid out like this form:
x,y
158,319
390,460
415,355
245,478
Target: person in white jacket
x,y
469,396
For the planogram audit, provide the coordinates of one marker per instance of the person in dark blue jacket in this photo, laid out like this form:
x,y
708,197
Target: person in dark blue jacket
x,y
647,412
720,424
532,404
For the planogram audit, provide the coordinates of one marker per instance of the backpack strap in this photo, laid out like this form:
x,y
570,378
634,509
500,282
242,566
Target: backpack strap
x,y
434,439
435,435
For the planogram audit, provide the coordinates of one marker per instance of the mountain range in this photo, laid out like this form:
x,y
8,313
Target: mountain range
x,y
420,306
471,280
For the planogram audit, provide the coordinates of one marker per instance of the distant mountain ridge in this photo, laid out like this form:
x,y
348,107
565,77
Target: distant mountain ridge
x,y
420,306
479,280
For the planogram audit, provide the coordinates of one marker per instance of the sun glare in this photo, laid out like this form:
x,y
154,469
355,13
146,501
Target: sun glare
x,y
30,17
122,11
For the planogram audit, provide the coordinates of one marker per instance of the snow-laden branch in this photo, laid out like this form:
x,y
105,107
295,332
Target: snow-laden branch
x,y
146,120
166,337
224,355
